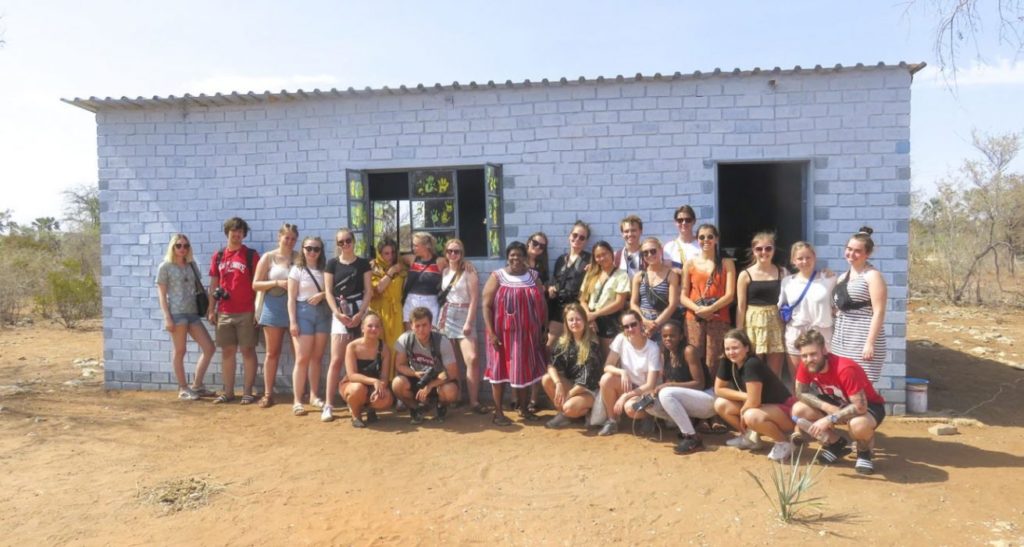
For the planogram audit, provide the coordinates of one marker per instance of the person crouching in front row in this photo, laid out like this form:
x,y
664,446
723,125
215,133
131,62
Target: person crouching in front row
x,y
845,396
425,363
575,371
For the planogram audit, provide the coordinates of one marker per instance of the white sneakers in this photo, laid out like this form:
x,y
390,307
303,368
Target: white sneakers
x,y
327,415
781,452
750,441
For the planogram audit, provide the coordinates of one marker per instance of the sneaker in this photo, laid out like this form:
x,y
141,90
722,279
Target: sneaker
x,y
186,394
781,452
371,416
864,465
558,422
317,402
689,445
645,427
609,428
440,413
743,442
327,415
416,416
834,452
358,423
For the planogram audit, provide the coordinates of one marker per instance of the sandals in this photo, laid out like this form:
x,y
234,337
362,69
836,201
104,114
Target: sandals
x,y
247,400
528,416
711,427
501,420
203,392
532,407
479,409
265,402
298,410
224,399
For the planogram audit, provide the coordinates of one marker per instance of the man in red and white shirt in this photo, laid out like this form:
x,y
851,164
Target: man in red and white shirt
x,y
844,396
231,275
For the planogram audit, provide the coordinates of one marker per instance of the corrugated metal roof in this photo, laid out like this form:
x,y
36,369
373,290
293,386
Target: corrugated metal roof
x,y
95,104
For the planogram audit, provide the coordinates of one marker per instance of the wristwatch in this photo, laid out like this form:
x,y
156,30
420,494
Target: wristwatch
x,y
833,418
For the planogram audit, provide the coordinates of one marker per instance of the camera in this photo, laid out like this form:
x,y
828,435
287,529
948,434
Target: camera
x,y
644,402
430,376
220,294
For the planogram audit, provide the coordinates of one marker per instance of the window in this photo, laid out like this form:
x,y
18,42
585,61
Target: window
x,y
462,202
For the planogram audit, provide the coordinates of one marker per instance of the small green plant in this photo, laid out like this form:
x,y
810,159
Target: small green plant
x,y
791,482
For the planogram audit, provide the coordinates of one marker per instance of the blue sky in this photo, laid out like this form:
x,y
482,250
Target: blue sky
x,y
66,49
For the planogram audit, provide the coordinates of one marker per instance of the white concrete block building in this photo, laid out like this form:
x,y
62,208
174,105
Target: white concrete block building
x,y
812,153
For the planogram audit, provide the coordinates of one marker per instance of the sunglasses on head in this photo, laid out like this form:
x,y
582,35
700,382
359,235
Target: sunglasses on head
x,y
182,246
345,241
311,249
684,220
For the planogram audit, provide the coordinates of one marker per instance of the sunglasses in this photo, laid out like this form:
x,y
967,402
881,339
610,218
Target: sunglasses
x,y
706,237
649,252
182,246
574,236
453,251
346,241
765,249
311,249
537,244
630,326
685,220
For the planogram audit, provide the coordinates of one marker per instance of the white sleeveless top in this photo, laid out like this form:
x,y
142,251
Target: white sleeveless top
x,y
460,292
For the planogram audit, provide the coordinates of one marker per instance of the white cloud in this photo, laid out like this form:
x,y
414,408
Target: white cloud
x,y
1004,72
226,83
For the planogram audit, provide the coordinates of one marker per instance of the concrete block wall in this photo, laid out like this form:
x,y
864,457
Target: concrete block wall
x,y
594,150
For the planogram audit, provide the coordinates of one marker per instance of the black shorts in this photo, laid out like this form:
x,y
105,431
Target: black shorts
x,y
608,326
877,411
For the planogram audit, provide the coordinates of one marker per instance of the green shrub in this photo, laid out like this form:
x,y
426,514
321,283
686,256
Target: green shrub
x,y
70,294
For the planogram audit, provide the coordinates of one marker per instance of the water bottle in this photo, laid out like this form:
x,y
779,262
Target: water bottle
x,y
805,425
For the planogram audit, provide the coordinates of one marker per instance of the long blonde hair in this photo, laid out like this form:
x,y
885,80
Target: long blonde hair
x,y
594,271
462,257
169,255
567,338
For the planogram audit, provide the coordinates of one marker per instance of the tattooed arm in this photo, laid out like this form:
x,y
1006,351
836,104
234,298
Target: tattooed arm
x,y
809,398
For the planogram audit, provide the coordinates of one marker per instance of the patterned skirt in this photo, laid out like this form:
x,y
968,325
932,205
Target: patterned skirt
x,y
764,327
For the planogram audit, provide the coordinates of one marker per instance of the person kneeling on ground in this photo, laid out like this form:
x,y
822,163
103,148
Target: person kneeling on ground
x,y
572,379
366,372
425,362
846,397
751,396
687,393
631,373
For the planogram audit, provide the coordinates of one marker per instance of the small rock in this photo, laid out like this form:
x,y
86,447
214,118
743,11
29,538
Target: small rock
x,y
73,383
22,358
978,350
943,429
38,419
88,372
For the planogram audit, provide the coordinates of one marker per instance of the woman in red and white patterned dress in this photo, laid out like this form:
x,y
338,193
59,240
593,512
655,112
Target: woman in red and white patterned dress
x,y
515,313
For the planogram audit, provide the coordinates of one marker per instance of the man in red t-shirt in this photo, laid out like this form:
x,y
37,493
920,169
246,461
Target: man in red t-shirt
x,y
845,396
231,276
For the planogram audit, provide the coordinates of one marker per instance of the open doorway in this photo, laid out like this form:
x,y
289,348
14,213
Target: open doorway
x,y
761,196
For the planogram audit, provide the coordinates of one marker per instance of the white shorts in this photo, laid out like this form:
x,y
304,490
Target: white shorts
x,y
792,333
338,328
428,301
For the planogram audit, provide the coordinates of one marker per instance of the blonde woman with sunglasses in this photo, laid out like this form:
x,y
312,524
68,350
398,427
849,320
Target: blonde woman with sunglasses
x,y
177,283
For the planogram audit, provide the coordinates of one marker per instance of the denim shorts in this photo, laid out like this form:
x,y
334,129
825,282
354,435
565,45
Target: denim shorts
x,y
313,319
275,311
185,318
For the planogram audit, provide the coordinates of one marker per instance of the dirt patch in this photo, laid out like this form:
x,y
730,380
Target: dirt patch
x,y
73,457
175,495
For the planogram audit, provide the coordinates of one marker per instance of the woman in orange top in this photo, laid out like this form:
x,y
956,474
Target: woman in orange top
x,y
709,286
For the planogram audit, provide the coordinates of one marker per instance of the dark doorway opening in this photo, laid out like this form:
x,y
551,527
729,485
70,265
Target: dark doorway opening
x,y
761,196
472,208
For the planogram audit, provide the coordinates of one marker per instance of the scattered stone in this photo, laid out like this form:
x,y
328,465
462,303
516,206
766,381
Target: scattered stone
x,y
73,383
38,419
88,372
7,391
22,358
943,429
978,350
926,343
957,343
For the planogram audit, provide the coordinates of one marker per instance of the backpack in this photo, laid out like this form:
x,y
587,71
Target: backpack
x,y
435,348
250,255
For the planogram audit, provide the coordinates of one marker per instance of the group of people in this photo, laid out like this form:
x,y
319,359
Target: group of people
x,y
645,331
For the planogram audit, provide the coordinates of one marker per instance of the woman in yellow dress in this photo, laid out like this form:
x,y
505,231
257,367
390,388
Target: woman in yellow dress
x,y
388,277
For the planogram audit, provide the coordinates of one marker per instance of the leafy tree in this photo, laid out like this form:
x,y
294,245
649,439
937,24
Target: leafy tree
x,y
45,225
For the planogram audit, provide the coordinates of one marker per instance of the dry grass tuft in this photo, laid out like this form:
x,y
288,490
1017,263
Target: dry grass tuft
x,y
175,495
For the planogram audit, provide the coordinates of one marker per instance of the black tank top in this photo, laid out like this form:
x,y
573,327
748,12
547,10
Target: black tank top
x,y
763,293
371,367
424,277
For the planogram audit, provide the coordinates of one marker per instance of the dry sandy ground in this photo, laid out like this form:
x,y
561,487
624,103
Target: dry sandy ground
x,y
73,460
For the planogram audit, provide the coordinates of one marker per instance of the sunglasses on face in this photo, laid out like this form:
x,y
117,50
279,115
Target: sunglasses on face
x,y
706,237
537,244
764,249
684,220
311,249
649,252
182,246
346,241
630,326
453,251
574,236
